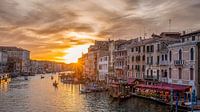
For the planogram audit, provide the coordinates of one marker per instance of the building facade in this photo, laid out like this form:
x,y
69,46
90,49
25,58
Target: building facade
x,y
3,61
136,59
184,62
103,65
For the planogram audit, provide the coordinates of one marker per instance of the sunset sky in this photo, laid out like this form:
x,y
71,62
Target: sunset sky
x,y
61,30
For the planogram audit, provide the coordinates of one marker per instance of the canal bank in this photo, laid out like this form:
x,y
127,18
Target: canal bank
x,y
36,95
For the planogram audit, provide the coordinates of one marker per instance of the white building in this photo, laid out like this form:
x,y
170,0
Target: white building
x,y
103,65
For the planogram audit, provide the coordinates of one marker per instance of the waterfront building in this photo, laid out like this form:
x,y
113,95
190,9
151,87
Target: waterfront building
x,y
136,59
3,61
184,61
94,53
82,63
120,59
37,67
103,64
18,59
157,55
111,48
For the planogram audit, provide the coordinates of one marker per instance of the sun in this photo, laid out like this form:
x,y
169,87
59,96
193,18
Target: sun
x,y
73,53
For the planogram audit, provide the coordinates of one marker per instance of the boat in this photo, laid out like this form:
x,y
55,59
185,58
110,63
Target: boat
x,y
119,91
42,77
25,78
85,90
55,84
51,77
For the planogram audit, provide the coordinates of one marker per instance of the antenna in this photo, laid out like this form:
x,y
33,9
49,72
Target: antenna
x,y
170,25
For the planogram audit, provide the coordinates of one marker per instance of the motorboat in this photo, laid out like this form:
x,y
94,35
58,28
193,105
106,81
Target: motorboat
x,y
25,78
85,90
42,77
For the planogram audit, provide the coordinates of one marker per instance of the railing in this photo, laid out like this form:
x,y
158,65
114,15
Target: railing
x,y
179,62
150,77
163,63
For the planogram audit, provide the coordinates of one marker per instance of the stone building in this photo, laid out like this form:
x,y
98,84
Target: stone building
x,y
3,61
157,55
18,59
136,58
184,61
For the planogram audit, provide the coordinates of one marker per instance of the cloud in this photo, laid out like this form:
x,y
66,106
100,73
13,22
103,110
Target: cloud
x,y
45,24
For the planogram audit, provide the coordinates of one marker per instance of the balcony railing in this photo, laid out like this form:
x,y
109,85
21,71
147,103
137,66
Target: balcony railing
x,y
163,63
149,77
179,62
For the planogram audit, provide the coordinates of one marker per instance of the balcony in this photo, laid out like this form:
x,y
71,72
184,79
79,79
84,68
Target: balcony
x,y
163,63
179,62
149,77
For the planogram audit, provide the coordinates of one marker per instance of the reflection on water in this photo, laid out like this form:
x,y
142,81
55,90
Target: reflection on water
x,y
38,95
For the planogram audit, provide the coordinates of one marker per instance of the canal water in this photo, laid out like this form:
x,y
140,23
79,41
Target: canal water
x,y
38,95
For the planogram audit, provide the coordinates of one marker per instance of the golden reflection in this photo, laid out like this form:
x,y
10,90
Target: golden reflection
x,y
4,85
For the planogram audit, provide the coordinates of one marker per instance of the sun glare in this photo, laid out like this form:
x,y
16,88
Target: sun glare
x,y
72,54
80,35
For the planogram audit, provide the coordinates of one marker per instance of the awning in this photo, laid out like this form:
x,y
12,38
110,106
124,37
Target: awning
x,y
166,87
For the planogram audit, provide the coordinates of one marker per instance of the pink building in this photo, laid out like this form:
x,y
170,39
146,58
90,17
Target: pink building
x,y
184,61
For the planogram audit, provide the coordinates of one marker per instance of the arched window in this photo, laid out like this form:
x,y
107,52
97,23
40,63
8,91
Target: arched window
x,y
151,73
170,56
191,54
180,54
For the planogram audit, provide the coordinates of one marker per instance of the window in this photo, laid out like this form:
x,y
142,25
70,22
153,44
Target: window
x,y
139,49
143,68
151,59
165,57
192,54
180,73
147,60
138,67
147,48
152,48
183,39
143,48
158,74
162,73
158,47
191,73
193,38
170,73
137,58
132,58
143,57
151,73
132,49
158,59
170,56
165,74
132,67
180,54
162,57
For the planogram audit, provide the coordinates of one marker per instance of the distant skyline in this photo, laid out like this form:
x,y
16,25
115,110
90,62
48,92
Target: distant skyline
x,y
60,30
